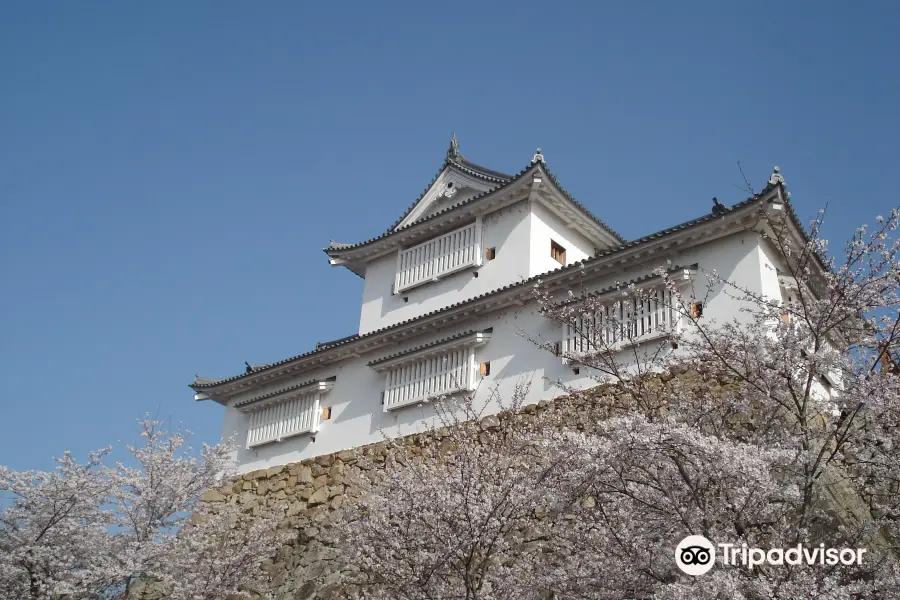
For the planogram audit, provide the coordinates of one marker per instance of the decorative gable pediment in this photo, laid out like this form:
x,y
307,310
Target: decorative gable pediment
x,y
449,188
458,181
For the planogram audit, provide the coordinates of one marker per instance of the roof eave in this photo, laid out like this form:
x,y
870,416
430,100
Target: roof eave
x,y
335,260
201,395
554,181
578,217
780,201
502,296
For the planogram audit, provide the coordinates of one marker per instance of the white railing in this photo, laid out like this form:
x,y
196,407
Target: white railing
x,y
279,420
621,323
438,257
429,377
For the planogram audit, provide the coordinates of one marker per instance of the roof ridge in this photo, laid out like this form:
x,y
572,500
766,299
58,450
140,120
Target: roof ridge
x,y
456,157
478,170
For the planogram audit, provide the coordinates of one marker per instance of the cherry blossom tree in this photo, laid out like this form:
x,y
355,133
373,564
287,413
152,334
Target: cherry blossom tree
x,y
54,538
775,428
452,512
94,530
784,433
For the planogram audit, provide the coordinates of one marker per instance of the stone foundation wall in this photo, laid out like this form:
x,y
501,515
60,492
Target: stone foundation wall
x,y
311,494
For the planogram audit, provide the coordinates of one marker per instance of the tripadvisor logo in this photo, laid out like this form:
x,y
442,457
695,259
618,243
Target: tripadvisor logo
x,y
696,555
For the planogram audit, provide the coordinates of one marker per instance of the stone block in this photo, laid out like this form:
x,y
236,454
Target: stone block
x,y
304,474
320,496
347,456
213,496
260,474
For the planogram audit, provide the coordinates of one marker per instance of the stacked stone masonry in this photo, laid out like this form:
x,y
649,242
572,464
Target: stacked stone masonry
x,y
311,494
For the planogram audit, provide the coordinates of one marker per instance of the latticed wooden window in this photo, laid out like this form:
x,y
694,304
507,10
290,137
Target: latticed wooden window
x,y
424,373
444,373
621,322
281,416
438,257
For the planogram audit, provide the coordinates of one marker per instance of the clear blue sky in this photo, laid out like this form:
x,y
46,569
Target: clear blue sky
x,y
169,172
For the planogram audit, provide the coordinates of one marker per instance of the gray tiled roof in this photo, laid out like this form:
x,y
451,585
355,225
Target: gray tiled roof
x,y
337,341
428,345
272,394
622,284
512,179
464,164
572,199
202,383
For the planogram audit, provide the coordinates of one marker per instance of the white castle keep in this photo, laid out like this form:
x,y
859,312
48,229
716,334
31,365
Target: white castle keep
x,y
449,305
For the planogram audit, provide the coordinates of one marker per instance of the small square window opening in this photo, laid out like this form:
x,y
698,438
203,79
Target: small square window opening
x,y
557,252
696,310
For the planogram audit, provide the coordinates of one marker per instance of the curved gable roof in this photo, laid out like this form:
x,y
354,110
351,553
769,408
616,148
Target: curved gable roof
x,y
455,160
336,247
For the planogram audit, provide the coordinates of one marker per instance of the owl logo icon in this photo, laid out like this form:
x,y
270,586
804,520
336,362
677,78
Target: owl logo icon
x,y
695,555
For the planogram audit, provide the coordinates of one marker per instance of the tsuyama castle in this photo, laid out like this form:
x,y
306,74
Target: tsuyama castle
x,y
448,305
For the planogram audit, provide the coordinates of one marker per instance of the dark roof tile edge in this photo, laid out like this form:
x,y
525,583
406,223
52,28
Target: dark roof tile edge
x,y
581,206
439,342
619,285
378,331
479,171
339,340
536,278
286,390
